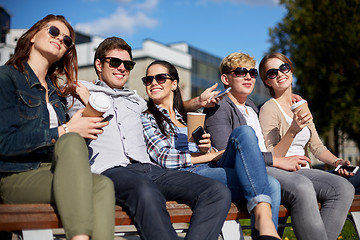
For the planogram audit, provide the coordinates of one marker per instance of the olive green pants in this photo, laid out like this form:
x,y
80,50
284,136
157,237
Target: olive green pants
x,y
85,201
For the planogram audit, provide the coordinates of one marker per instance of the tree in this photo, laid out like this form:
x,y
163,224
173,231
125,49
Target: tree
x,y
322,38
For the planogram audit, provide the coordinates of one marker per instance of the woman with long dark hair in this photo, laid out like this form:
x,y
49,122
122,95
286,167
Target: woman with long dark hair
x,y
43,157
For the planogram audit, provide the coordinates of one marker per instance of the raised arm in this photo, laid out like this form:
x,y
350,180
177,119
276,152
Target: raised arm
x,y
202,100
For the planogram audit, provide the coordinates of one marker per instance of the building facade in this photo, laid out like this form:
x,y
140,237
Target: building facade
x,y
197,69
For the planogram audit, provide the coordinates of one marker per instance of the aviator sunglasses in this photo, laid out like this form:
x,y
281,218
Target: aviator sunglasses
x,y
116,62
242,72
160,78
54,32
273,73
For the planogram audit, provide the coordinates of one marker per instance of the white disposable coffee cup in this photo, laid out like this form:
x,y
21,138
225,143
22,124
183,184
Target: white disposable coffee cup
x,y
302,104
194,120
98,104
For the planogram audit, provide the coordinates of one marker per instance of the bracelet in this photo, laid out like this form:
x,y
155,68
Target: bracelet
x,y
338,159
65,128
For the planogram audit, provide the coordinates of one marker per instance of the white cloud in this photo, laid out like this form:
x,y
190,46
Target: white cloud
x,y
122,22
148,5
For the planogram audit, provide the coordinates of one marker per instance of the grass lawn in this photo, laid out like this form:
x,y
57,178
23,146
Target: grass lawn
x,y
348,232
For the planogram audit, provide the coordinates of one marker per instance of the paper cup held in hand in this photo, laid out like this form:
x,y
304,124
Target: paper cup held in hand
x,y
302,104
97,105
194,119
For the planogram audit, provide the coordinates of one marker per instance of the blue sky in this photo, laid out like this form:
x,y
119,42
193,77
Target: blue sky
x,y
219,27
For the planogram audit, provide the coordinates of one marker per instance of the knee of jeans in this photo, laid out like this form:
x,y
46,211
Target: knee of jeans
x,y
242,130
220,192
70,139
344,188
303,189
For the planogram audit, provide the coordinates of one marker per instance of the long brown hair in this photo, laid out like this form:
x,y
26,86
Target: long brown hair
x,y
67,66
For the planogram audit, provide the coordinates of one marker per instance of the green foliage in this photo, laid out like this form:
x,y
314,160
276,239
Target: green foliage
x,y
347,233
322,38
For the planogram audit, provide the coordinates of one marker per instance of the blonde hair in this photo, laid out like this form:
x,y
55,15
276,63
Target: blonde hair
x,y
235,60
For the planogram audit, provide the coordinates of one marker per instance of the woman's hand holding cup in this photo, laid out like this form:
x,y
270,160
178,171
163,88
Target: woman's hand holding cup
x,y
87,127
302,116
88,121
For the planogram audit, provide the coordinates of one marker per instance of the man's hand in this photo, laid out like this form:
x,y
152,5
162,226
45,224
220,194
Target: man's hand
x,y
204,98
291,163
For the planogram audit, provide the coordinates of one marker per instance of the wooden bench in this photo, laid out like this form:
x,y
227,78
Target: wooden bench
x,y
30,217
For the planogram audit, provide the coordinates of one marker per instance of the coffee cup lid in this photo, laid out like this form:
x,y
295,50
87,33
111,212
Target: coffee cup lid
x,y
195,113
295,105
100,102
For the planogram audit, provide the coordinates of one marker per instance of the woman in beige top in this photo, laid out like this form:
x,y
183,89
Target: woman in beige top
x,y
290,133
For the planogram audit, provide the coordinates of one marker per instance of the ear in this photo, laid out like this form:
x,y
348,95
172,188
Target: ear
x,y
32,40
225,79
98,65
174,85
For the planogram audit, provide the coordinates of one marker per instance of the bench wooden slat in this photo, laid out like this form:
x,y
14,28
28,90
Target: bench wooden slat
x,y
355,206
28,216
15,217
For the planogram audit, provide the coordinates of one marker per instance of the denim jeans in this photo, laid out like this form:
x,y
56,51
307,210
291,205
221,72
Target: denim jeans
x,y
242,169
143,189
303,189
354,180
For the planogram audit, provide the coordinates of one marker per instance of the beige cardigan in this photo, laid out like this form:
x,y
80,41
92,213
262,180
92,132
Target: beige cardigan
x,y
274,126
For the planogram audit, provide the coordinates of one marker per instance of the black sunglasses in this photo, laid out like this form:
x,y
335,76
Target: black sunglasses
x,y
160,78
54,32
242,72
272,73
116,62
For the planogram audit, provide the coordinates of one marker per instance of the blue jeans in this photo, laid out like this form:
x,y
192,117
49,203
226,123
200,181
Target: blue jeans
x,y
242,169
143,189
